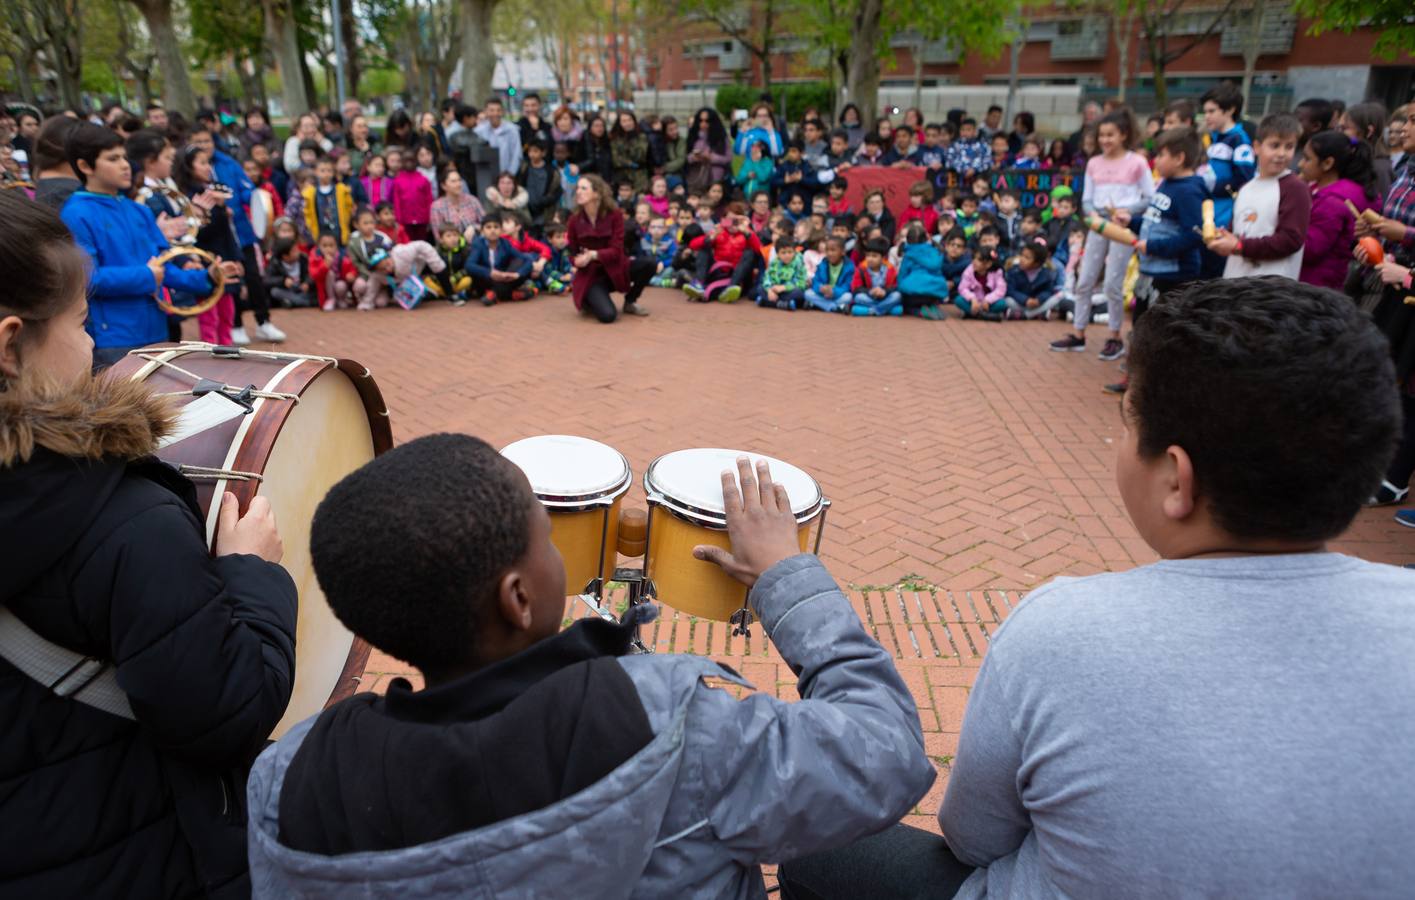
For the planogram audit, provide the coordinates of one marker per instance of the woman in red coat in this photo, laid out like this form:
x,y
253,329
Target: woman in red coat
x,y
596,235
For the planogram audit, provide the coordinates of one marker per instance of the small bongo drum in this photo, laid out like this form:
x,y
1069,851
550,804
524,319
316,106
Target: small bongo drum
x,y
685,509
581,483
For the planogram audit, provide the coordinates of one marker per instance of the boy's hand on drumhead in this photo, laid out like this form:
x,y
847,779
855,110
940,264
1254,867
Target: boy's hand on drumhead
x,y
759,522
254,533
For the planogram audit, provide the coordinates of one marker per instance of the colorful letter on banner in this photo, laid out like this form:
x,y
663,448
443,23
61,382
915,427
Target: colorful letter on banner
x,y
1034,186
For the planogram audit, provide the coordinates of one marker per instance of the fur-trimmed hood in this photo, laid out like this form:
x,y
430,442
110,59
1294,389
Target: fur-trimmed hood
x,y
95,418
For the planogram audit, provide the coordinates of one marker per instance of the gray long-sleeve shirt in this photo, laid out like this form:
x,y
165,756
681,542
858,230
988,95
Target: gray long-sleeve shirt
x,y
1235,727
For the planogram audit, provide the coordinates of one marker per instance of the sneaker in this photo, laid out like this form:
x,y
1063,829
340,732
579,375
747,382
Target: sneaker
x,y
1386,495
518,294
459,300
785,304
239,338
1117,388
555,287
990,317
1071,342
694,291
931,312
268,332
634,309
730,294
1114,349
489,298
1405,517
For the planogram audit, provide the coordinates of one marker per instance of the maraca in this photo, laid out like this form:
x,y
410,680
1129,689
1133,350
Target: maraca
x,y
1374,254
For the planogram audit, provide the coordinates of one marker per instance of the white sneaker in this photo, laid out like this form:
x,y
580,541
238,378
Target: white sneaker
x,y
268,332
238,337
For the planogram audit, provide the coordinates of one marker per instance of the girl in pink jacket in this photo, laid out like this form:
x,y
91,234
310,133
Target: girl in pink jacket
x,y
1339,169
982,291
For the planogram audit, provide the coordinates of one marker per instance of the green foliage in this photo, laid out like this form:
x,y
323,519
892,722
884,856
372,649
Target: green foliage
x,y
97,77
1392,18
788,98
735,96
381,83
221,27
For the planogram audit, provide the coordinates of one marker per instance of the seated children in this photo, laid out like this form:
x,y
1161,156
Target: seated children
x,y
387,223
784,283
830,286
453,282
1260,415
1008,218
982,292
795,209
727,260
1001,156
921,283
559,270
989,238
624,195
1271,211
438,553
900,153
411,260
839,157
981,186
880,215
331,272
956,256
498,271
1031,284
813,252
660,246
514,231
287,275
968,155
760,211
932,153
921,208
1062,225
966,217
875,291
362,244
657,198
1030,156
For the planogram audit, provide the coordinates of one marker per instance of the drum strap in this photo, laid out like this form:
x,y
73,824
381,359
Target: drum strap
x,y
93,682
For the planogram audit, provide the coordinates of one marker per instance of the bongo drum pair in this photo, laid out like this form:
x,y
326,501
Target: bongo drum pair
x,y
582,485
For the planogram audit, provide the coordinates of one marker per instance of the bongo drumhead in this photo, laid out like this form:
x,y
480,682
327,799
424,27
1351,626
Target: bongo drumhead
x,y
690,484
568,472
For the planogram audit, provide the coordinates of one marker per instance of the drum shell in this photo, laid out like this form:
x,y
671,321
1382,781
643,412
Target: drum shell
x,y
579,535
694,586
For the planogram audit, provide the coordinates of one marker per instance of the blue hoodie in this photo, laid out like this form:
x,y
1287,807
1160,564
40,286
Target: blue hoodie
x,y
229,172
1022,286
841,284
1231,165
120,236
953,269
921,271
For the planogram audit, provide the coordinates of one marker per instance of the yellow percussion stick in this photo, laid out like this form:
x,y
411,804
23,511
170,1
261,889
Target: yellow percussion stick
x,y
1111,231
1369,216
1210,232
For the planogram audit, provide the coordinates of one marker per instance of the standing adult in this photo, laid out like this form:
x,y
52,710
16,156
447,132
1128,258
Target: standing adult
x,y
673,153
596,248
361,143
595,154
629,149
230,173
257,131
760,127
306,129
399,131
1090,115
53,176
566,128
131,786
1367,122
502,135
853,125
709,154
532,127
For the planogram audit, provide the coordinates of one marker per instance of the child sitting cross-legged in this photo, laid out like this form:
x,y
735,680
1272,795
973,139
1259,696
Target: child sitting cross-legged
x,y
658,243
559,269
831,285
287,275
922,285
1031,284
524,734
453,282
726,260
498,271
332,273
513,229
982,292
784,284
875,291
956,256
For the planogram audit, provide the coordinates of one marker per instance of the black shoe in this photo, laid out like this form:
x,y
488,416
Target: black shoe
x,y
989,316
1118,388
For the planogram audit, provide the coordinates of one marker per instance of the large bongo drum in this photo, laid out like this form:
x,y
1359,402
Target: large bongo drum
x,y
581,483
685,509
310,420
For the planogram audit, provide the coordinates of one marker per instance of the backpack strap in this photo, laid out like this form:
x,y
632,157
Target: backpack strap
x,y
90,681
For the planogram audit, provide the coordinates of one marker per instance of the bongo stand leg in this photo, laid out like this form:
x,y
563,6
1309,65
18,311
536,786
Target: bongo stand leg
x,y
820,527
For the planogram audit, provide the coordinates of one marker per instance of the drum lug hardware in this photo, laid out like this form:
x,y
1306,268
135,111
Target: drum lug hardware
x,y
741,621
245,396
225,350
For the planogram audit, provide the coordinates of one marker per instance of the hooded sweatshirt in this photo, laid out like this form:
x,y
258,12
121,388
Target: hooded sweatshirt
x,y
921,271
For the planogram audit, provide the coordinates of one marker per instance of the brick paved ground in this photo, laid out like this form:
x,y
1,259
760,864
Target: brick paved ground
x,y
963,459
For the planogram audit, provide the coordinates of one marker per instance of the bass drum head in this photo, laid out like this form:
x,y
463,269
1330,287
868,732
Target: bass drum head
x,y
325,437
566,471
690,483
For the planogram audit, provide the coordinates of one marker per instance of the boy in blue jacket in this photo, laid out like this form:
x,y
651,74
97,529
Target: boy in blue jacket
x,y
1170,238
1031,284
122,238
830,288
499,271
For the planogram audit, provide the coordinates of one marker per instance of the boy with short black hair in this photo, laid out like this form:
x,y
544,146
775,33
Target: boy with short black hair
x,y
932,154
1009,219
560,270
838,209
1271,212
875,291
1031,284
969,154
483,782
870,153
956,255
1230,159
784,284
830,286
498,271
1061,226
794,178
453,282
838,158
1238,487
900,151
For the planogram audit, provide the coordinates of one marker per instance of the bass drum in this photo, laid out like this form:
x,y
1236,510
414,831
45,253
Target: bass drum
x,y
312,420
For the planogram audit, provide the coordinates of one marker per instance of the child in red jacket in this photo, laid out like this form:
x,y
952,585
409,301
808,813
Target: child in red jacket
x,y
333,274
920,209
513,230
387,222
874,290
733,254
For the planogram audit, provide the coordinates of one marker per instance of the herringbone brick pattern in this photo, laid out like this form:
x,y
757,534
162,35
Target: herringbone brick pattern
x,y
967,464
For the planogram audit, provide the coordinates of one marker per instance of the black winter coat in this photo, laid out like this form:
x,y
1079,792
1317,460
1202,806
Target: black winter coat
x,y
105,554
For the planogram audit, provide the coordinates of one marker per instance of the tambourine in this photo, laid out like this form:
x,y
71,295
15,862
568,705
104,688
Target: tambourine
x,y
218,282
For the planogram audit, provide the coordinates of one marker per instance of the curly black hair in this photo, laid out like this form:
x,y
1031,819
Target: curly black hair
x,y
409,548
1283,395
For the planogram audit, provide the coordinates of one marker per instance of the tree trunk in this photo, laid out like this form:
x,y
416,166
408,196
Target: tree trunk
x,y
1252,47
919,74
176,77
478,56
68,76
1014,66
349,34
1161,88
284,44
22,78
1123,26
862,77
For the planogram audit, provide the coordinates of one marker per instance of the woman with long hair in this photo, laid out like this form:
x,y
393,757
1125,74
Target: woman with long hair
x,y
629,151
709,153
596,249
456,206
596,153
1367,122
131,786
853,124
257,131
399,131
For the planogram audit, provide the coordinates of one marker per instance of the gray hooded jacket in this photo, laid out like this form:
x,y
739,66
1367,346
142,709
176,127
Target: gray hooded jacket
x,y
724,785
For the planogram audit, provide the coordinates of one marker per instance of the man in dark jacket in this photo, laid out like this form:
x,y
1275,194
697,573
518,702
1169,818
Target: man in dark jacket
x,y
105,555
